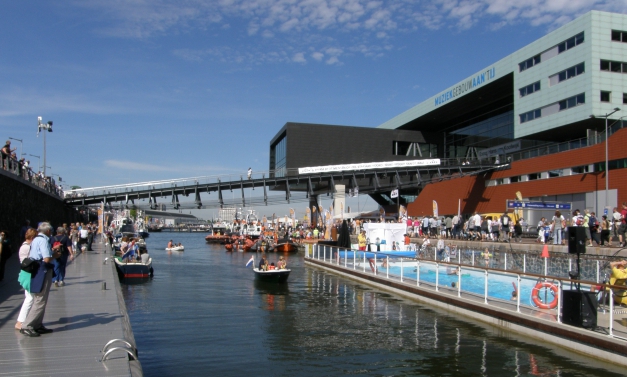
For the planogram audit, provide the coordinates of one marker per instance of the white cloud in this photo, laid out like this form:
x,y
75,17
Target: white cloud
x,y
295,25
317,55
299,57
333,60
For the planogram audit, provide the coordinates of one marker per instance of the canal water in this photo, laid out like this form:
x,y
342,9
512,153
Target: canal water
x,y
203,314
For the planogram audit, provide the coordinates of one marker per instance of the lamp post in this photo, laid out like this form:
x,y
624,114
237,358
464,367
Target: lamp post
x,y
38,161
607,170
44,127
21,145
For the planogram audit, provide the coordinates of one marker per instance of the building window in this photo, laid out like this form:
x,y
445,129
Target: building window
x,y
624,98
613,66
529,63
605,96
570,43
514,179
571,72
529,89
619,36
572,101
530,115
534,176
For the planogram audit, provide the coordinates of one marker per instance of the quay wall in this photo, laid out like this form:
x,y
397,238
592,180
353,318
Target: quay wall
x,y
21,200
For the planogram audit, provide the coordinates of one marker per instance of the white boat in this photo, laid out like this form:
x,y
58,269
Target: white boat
x,y
176,248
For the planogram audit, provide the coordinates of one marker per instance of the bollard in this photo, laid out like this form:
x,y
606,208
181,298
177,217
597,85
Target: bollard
x,y
104,285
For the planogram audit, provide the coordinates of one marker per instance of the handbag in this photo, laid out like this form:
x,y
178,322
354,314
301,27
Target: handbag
x,y
38,279
30,265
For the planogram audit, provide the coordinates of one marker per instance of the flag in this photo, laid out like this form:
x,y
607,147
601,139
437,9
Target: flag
x,y
435,209
251,260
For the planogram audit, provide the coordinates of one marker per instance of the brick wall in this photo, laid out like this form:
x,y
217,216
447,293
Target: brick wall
x,y
476,196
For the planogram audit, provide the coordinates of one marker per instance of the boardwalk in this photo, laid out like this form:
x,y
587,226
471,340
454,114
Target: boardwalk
x,y
84,318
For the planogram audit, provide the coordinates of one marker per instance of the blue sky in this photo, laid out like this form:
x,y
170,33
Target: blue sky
x,y
151,90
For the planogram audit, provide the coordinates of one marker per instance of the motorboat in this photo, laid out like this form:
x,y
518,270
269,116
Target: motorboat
x,y
175,248
286,245
134,269
275,276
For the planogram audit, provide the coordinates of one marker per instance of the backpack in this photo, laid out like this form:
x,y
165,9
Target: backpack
x,y
593,223
579,220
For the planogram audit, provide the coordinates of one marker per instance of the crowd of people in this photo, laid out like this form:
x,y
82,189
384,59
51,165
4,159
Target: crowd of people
x,y
21,168
44,255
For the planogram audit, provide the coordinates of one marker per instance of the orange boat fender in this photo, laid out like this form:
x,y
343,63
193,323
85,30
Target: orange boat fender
x,y
535,293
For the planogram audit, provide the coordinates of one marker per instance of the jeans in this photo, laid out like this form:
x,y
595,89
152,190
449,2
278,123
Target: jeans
x,y
59,268
557,236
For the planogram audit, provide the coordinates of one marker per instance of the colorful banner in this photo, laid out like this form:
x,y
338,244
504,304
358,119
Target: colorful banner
x,y
435,209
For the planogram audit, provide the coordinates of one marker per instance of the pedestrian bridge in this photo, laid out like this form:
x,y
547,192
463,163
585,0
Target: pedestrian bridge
x,y
302,184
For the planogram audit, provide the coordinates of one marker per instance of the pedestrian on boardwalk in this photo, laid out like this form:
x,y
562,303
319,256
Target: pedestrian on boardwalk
x,y
28,299
41,282
91,229
66,253
250,173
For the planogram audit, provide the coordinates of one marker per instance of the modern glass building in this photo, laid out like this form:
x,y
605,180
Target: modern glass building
x,y
543,93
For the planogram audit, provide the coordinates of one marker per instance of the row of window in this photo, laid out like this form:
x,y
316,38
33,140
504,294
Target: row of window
x,y
562,105
596,167
571,72
613,66
531,88
619,36
564,75
559,48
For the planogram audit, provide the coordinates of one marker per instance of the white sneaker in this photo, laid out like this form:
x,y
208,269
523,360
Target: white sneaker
x,y
61,283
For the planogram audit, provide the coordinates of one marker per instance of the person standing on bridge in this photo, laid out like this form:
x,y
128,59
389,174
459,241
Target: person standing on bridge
x,y
250,173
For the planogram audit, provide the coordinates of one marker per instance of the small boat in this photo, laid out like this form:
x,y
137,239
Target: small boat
x,y
176,248
217,238
275,276
129,269
286,246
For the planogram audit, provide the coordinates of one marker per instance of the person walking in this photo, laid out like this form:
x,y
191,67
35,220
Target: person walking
x,y
28,299
40,251
61,262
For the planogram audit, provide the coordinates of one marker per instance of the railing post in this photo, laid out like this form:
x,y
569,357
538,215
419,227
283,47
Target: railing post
x,y
485,296
437,276
418,273
598,270
354,259
473,257
611,329
324,253
375,265
505,266
345,259
525,263
459,281
559,300
401,269
364,261
518,293
387,267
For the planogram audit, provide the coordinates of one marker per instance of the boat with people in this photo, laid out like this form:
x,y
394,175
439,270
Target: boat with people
x,y
276,276
269,272
130,268
175,248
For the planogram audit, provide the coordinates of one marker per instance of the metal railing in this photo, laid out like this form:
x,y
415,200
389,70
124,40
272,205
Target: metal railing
x,y
464,276
48,184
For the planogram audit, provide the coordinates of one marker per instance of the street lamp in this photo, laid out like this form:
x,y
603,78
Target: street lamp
x,y
607,170
21,145
38,161
44,127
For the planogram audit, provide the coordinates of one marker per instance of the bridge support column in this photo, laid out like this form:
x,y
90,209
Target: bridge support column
x,y
339,200
313,203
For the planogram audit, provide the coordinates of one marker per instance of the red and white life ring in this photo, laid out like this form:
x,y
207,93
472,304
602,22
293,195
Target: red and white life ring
x,y
535,295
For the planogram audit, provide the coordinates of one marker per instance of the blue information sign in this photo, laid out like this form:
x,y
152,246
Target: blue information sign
x,y
515,204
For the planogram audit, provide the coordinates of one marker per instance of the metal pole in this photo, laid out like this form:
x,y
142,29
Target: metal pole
x,y
607,168
45,153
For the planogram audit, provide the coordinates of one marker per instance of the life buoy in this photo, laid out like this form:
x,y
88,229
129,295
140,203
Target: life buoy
x,y
535,295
